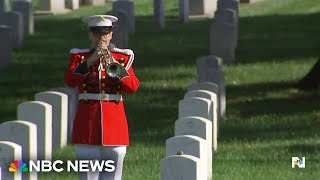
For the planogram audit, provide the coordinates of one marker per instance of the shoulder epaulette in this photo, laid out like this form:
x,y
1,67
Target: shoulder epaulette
x,y
76,51
124,51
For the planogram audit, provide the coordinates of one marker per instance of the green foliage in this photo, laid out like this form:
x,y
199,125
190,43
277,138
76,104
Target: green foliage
x,y
268,121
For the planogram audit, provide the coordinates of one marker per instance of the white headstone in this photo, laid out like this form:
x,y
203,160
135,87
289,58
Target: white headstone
x,y
25,134
53,6
184,11
120,30
193,125
195,107
228,16
158,10
184,167
9,152
39,113
199,107
228,4
209,86
200,127
14,20
73,99
209,69
25,8
223,35
73,4
202,8
95,2
59,103
213,98
5,46
4,6
190,145
128,7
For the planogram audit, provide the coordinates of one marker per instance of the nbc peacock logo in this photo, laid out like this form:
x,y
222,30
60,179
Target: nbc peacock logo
x,y
18,166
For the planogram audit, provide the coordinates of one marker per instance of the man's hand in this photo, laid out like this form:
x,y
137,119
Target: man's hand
x,y
98,52
103,44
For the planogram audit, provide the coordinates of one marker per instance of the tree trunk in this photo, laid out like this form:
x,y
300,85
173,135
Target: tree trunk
x,y
312,79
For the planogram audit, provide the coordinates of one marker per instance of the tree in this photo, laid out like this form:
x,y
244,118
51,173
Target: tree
x,y
312,79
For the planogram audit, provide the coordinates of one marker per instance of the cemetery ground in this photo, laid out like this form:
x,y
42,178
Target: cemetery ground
x,y
268,120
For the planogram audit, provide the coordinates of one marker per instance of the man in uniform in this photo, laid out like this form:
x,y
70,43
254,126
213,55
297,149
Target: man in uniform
x,y
100,130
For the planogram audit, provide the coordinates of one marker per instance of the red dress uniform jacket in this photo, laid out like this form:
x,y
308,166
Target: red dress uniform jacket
x,y
100,122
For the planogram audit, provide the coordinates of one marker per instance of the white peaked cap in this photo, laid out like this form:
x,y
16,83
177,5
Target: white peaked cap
x,y
100,20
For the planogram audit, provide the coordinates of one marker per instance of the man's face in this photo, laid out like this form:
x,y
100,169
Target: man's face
x,y
96,37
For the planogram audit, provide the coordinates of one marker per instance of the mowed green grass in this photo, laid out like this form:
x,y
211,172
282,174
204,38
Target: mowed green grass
x,y
268,121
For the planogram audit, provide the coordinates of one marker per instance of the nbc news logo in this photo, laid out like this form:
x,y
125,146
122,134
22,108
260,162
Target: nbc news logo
x,y
297,162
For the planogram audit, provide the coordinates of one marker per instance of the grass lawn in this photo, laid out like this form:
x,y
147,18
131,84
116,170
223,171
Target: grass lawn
x,y
268,121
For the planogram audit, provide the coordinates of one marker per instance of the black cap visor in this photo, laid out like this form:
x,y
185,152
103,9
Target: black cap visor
x,y
100,29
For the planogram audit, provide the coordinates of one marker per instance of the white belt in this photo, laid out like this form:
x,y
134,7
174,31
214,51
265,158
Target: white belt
x,y
101,97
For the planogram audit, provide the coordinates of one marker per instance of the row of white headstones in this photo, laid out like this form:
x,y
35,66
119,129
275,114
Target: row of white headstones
x,y
46,123
15,24
189,153
224,27
18,22
42,125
